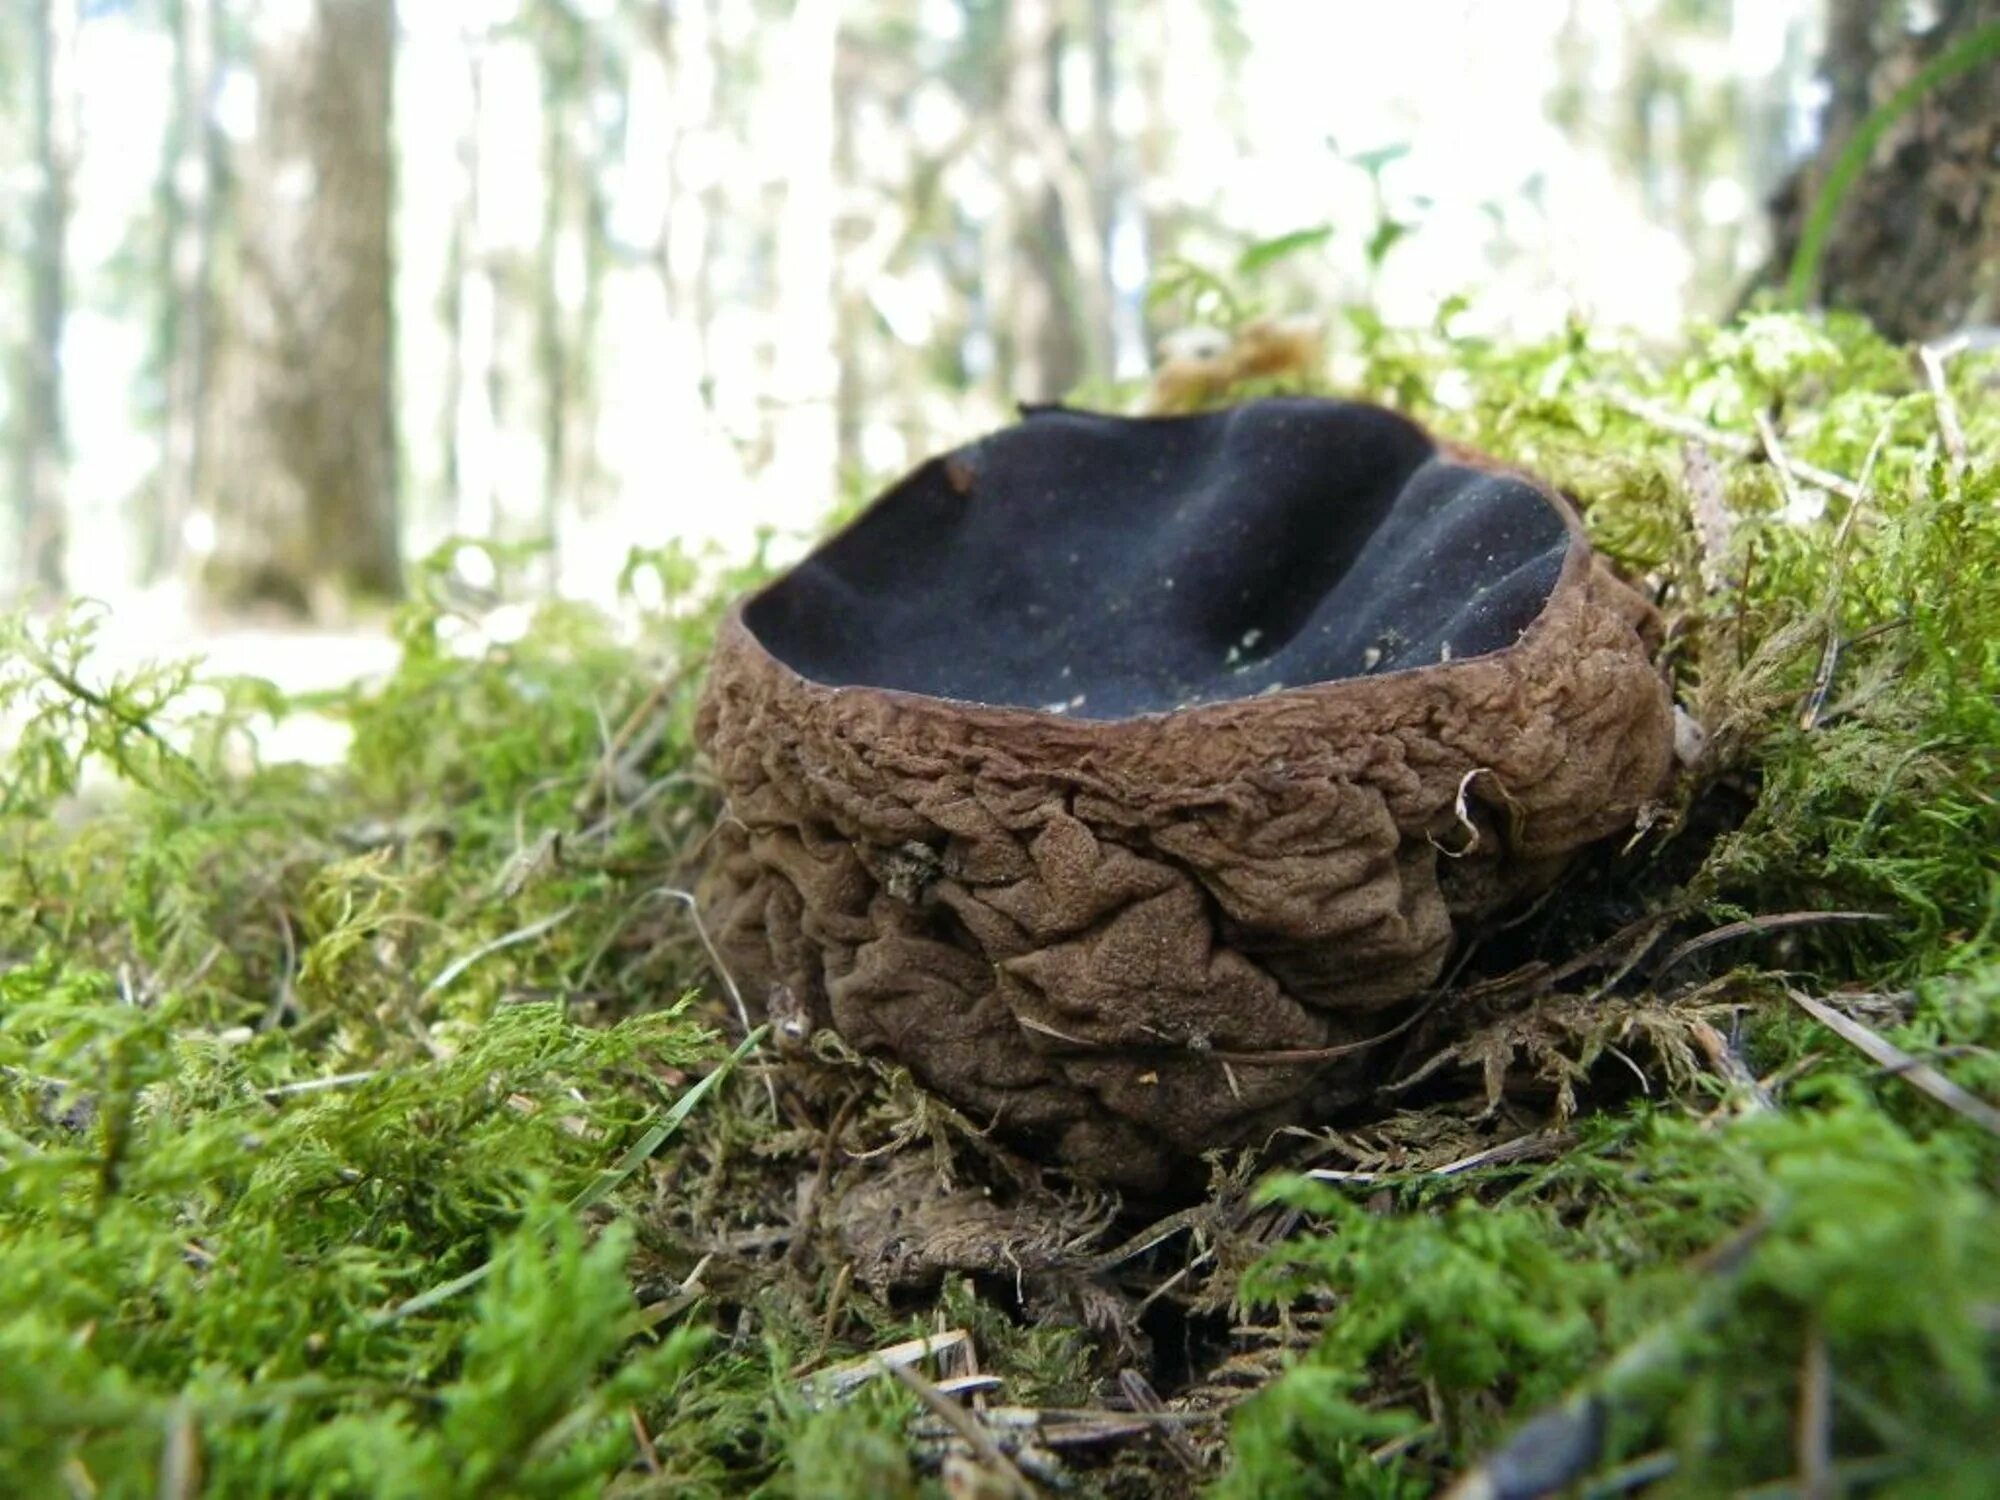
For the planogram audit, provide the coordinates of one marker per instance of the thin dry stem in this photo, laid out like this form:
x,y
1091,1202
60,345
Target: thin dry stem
x,y
686,899
1919,1075
1521,1148
1775,451
1759,927
1812,1437
1729,442
1713,525
1951,431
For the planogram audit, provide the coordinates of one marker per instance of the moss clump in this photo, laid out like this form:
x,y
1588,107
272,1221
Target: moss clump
x,y
273,1075
1822,528
354,1137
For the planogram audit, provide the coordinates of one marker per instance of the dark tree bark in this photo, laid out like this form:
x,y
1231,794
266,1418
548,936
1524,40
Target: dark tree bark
x,y
1916,244
40,448
303,441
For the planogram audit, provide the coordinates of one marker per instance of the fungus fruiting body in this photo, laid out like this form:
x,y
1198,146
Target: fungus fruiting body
x,y
1118,775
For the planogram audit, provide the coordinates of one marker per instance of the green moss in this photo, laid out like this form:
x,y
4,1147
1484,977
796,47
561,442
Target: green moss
x,y
854,1453
1847,671
339,1140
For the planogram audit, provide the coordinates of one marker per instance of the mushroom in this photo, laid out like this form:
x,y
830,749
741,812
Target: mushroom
x,y
1120,775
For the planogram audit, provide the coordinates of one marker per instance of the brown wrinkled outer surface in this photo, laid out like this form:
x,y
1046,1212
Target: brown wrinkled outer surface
x,y
1070,928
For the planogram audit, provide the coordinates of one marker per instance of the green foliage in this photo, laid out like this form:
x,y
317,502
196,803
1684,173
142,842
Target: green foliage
x,y
1474,1294
1267,253
1448,1319
1193,294
61,722
175,1226
1457,1303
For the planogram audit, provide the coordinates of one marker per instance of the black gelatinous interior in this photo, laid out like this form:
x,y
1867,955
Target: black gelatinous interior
x,y
1105,567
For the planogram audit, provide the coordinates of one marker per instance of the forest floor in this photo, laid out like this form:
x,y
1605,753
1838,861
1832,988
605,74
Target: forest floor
x,y
373,1124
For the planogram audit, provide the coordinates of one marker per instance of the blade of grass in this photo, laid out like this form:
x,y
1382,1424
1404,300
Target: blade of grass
x,y
606,1182
1983,46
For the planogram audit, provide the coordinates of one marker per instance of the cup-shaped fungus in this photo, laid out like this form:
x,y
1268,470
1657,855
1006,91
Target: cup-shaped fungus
x,y
1116,775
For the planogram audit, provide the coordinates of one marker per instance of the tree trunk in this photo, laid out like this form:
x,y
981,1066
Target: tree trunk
x,y
1099,293
552,349
579,158
805,372
304,447
688,227
851,295
460,255
477,320
40,455
1042,354
1916,242
191,169
1160,216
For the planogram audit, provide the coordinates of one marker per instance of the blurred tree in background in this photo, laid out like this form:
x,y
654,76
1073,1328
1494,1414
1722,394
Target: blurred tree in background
x,y
191,169
40,445
301,482
294,287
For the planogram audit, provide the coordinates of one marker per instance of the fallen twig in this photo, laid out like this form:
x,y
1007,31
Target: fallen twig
x,y
1780,461
648,1454
1835,646
284,1002
686,899
1139,1391
180,1455
974,1385
1326,1054
1080,1427
968,1427
838,1382
1281,1057
1713,525
621,746
1647,1469
1198,1217
653,1314
1813,714
319,1085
